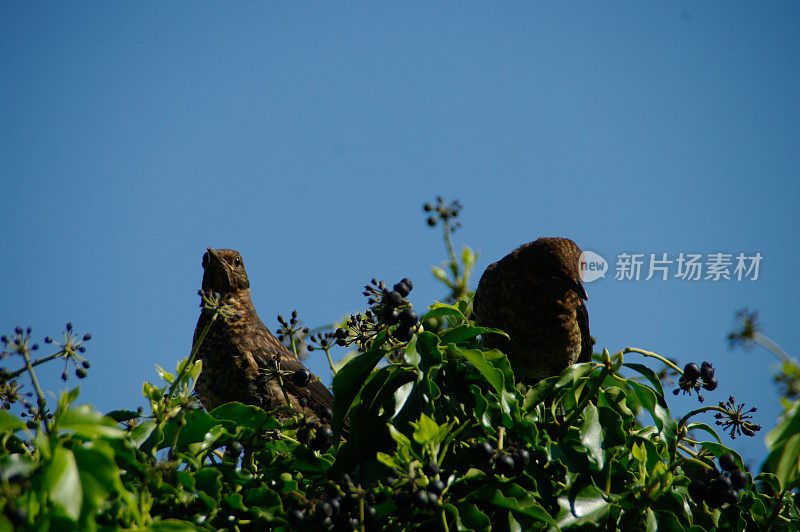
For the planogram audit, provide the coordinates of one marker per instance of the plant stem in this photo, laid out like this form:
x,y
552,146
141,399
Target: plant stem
x,y
195,349
700,410
33,364
653,355
39,394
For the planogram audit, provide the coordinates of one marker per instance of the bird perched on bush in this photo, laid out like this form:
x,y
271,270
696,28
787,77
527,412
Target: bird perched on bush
x,y
535,294
242,360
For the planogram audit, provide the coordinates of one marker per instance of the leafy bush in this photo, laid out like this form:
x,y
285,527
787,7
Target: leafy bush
x,y
441,437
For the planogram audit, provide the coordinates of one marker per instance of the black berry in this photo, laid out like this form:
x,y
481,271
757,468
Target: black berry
x,y
431,468
711,384
727,462
505,465
707,371
482,451
409,317
403,334
436,486
392,299
301,377
420,499
738,479
403,287
691,371
81,373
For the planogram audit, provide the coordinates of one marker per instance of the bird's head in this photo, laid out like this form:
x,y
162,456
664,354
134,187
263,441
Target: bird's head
x,y
223,271
557,258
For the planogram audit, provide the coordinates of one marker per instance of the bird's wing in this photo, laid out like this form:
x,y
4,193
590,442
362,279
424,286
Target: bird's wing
x,y
271,349
587,342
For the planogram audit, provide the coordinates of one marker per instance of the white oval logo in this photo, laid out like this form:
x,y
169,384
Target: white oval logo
x,y
592,266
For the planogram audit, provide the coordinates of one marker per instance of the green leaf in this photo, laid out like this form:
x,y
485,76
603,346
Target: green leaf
x,y
465,332
85,421
442,309
592,435
123,415
704,427
512,497
63,483
655,404
348,381
98,473
171,525
241,415
649,374
9,422
588,506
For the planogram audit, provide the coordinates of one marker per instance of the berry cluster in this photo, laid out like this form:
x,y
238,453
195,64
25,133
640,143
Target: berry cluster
x,y
735,419
720,487
341,511
506,463
387,308
692,377
318,437
444,212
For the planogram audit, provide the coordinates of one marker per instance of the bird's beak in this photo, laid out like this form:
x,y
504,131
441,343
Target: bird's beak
x,y
213,255
217,274
580,290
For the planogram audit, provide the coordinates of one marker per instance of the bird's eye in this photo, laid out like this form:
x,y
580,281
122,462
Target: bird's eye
x,y
237,262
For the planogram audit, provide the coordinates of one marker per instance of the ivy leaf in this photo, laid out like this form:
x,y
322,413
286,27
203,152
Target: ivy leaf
x,y
63,482
592,435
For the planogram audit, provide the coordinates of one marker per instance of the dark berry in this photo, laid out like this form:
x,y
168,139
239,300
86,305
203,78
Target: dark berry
x,y
505,465
69,326
86,364
436,486
335,505
295,516
721,484
711,384
697,491
301,377
341,334
409,317
431,468
691,371
18,330
391,316
707,371
730,497
64,376
302,435
482,451
326,413
431,220
403,334
81,373
370,513
322,440
738,479
432,498
521,460
727,462
354,524
323,510
87,337
392,299
427,207
420,499
403,287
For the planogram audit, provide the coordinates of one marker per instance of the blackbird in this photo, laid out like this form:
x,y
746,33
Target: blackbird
x,y
242,360
535,294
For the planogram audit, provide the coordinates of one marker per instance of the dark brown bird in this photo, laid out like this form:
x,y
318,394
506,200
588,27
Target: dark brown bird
x,y
240,355
535,294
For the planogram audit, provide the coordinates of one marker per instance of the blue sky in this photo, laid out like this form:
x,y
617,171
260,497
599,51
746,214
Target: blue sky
x,y
308,136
